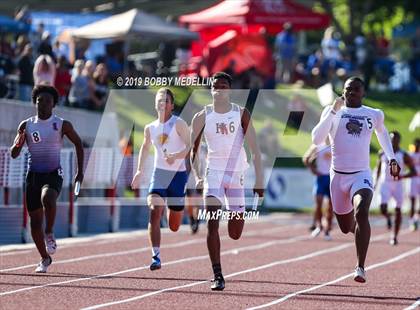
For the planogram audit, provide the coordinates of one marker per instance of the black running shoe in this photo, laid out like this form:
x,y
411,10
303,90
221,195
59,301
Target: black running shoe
x,y
194,226
218,283
155,263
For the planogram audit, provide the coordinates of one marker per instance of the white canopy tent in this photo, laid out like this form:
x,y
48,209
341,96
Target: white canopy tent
x,y
133,23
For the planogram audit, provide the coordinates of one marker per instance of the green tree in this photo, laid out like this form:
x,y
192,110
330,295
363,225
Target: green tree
x,y
351,17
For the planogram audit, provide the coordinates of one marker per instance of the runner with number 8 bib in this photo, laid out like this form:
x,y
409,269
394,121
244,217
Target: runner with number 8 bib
x,y
43,135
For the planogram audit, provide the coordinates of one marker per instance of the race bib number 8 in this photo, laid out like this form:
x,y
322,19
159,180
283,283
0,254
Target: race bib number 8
x,y
36,137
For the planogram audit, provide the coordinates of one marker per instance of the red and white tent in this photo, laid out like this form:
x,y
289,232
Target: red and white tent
x,y
254,14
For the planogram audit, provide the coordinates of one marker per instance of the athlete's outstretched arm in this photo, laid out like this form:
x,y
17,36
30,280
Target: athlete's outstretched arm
x,y
251,139
19,140
69,131
197,127
144,151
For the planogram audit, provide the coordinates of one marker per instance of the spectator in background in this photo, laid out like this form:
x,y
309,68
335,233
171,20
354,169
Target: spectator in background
x,y
368,66
285,48
167,51
62,80
77,69
36,37
100,77
58,49
313,68
360,50
6,64
183,55
6,47
45,47
82,92
79,91
44,70
415,59
21,42
382,45
25,67
330,45
88,71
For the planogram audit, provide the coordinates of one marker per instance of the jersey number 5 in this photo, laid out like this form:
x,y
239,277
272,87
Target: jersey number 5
x,y
36,137
369,121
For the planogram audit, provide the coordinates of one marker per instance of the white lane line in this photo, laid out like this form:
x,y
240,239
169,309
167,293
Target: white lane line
x,y
313,288
272,264
414,306
16,249
145,249
234,251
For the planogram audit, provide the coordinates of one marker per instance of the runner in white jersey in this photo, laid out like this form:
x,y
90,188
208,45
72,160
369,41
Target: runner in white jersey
x,y
349,126
415,186
43,134
390,188
225,125
318,159
169,136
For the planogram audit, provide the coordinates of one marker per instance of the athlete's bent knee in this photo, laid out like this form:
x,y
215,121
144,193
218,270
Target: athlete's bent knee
x,y
173,227
345,230
235,235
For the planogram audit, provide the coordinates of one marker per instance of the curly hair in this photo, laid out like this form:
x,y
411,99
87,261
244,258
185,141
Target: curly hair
x,y
38,89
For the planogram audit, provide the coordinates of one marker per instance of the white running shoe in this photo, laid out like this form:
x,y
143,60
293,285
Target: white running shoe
x,y
316,232
51,244
327,236
359,275
393,240
43,265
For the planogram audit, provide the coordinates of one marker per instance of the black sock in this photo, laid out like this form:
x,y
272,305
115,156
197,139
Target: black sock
x,y
217,269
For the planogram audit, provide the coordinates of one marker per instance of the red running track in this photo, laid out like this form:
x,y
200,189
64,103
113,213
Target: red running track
x,y
274,265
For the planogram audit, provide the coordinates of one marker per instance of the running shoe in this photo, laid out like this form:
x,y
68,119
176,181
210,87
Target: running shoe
x,y
194,226
359,275
51,244
155,263
327,236
43,265
218,283
316,232
393,241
